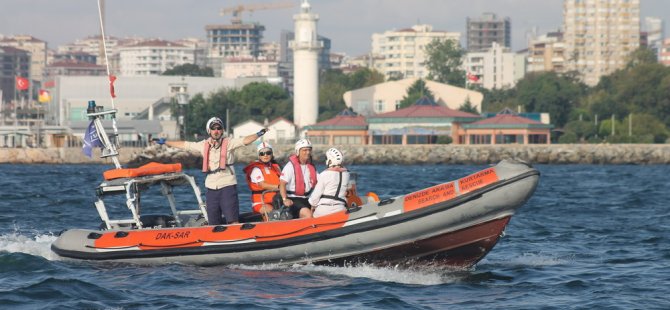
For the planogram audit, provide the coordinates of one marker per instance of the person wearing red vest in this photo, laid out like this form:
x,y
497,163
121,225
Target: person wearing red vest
x,y
263,176
218,152
297,180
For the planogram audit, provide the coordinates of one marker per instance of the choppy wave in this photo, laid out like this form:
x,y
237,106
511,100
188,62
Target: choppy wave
x,y
38,245
591,237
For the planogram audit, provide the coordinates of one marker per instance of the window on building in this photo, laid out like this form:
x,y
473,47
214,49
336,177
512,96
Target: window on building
x,y
537,139
387,139
344,140
379,106
509,139
414,139
480,139
319,139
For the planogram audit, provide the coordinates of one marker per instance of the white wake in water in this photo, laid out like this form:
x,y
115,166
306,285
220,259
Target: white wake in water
x,y
39,245
383,274
386,274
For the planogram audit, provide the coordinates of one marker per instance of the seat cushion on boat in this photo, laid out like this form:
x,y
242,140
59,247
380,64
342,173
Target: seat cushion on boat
x,y
148,169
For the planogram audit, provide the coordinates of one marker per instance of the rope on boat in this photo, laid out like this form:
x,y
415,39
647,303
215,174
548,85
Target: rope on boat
x,y
111,77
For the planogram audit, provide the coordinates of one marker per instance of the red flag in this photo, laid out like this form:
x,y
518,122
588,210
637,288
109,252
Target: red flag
x,y
473,77
21,83
111,85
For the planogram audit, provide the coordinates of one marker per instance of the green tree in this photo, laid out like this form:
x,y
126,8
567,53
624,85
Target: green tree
x,y
417,90
495,100
551,93
189,70
260,101
468,107
642,55
444,59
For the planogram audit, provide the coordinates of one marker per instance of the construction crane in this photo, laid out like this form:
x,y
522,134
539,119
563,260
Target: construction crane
x,y
236,10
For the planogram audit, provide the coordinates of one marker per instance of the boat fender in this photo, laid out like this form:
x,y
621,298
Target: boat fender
x,y
121,234
247,226
217,229
386,201
94,235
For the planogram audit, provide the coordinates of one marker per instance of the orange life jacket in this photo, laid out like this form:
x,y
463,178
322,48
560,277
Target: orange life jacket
x,y
271,175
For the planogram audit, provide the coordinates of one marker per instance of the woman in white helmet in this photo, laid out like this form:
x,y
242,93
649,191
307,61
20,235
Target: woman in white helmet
x,y
263,176
331,188
218,152
297,180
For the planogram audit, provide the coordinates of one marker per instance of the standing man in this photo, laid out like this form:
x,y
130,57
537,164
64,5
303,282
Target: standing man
x,y
218,154
297,180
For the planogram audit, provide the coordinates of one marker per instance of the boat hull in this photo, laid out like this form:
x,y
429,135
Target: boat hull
x,y
452,224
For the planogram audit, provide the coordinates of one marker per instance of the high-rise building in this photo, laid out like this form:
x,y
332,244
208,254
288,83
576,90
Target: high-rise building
x,y
664,55
599,35
236,40
483,31
37,49
495,68
403,51
13,62
653,26
153,57
547,53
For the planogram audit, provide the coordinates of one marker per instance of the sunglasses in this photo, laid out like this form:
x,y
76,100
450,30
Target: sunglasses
x,y
264,153
216,128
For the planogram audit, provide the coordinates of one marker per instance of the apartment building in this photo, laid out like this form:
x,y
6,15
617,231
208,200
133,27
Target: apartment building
x,y
547,53
236,40
37,49
653,27
483,31
13,62
403,51
664,55
496,67
153,57
599,35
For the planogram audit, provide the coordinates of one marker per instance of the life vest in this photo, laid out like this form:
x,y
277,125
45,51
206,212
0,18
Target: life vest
x,y
271,175
205,155
299,179
336,196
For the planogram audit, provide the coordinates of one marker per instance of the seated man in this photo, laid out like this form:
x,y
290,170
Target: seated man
x,y
331,186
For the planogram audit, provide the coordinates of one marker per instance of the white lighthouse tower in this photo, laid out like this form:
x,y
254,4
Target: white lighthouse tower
x,y
306,49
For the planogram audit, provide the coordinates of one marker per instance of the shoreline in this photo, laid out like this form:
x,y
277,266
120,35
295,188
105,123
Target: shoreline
x,y
615,154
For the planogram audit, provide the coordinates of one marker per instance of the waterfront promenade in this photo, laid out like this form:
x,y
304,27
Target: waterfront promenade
x,y
376,154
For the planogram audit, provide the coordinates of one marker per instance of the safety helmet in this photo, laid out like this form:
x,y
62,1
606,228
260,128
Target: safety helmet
x,y
302,143
263,145
334,157
212,121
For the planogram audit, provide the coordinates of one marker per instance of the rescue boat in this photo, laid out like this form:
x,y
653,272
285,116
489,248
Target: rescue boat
x,y
453,224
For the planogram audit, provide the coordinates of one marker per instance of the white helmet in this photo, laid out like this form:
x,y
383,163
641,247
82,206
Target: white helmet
x,y
212,121
334,157
263,145
302,143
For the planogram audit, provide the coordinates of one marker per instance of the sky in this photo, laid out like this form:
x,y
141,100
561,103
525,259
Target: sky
x,y
348,23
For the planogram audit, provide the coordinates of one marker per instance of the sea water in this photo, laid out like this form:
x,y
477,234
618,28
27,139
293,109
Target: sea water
x,y
591,237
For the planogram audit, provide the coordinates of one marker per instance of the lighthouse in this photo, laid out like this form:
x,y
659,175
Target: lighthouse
x,y
306,49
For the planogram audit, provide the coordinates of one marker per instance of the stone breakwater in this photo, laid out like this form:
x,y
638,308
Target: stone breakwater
x,y
376,154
